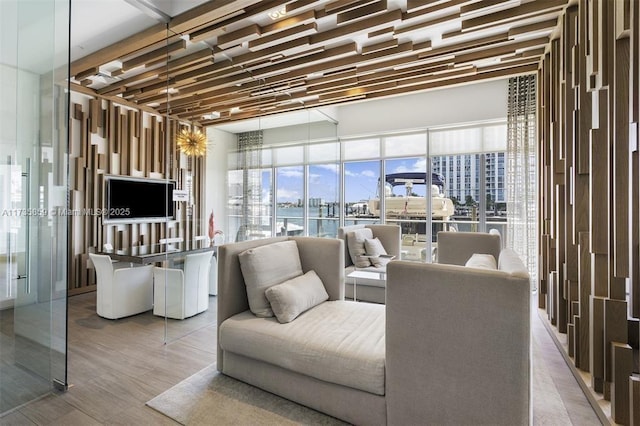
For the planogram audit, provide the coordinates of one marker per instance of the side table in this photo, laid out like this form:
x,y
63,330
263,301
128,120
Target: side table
x,y
371,275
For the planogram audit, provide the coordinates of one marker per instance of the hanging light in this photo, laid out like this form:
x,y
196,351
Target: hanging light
x,y
192,142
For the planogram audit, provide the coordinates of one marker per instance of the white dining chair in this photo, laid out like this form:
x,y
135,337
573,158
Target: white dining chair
x,y
121,292
117,264
179,293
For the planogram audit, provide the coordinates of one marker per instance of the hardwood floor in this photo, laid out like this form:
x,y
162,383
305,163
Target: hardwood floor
x,y
116,366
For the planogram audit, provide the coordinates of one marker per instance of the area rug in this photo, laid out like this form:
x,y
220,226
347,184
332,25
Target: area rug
x,y
208,398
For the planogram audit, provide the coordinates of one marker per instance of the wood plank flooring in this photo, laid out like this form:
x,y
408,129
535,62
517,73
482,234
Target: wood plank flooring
x,y
116,366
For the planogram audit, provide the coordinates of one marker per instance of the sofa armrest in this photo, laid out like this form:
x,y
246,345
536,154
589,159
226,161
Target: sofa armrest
x,y
325,256
455,248
457,345
389,236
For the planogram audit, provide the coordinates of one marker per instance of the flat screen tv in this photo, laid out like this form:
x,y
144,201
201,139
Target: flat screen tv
x,y
129,199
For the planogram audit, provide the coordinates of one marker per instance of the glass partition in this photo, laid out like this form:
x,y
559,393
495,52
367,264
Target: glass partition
x,y
185,282
33,199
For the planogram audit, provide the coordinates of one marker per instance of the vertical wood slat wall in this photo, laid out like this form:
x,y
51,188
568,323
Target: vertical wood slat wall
x,y
589,85
111,139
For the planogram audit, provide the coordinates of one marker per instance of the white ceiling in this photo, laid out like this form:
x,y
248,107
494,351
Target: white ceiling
x,y
96,24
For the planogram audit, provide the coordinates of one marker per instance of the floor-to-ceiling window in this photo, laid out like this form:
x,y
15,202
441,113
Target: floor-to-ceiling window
x,y
426,181
323,202
361,192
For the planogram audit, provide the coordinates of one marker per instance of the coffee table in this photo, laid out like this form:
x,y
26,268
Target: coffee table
x,y
370,275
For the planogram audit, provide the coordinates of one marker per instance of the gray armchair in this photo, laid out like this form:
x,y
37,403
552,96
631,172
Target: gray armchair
x,y
370,290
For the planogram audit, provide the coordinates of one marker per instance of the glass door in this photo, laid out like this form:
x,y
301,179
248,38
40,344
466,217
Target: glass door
x,y
33,185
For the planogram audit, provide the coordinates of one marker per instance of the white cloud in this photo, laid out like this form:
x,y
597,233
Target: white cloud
x,y
287,195
364,173
314,178
420,165
290,172
331,167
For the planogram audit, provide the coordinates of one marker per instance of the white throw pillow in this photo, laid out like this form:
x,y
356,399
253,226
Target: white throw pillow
x,y
482,261
355,243
293,297
266,266
374,247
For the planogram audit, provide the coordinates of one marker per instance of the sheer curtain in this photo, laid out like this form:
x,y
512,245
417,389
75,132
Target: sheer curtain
x,y
521,171
250,158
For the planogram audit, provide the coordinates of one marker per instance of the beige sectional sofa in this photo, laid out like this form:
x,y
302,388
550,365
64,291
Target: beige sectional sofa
x,y
451,346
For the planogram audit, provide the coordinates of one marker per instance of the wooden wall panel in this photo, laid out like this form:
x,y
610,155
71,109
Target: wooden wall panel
x,y
590,243
621,155
596,349
132,145
560,293
634,400
584,284
622,368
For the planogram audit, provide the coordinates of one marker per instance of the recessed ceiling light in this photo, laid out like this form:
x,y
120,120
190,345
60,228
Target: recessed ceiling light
x,y
277,14
234,110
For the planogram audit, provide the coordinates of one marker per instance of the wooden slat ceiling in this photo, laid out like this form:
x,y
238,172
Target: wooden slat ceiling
x,y
230,60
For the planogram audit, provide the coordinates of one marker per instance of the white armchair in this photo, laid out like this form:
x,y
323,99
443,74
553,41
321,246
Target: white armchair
x,y
181,294
108,248
121,292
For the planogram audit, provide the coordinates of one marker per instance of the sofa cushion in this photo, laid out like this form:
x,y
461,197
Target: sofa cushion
x,y
295,296
510,262
266,266
339,342
375,249
355,244
482,261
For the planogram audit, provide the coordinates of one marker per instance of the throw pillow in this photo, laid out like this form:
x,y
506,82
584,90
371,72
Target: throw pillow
x,y
482,261
293,297
266,266
355,244
374,248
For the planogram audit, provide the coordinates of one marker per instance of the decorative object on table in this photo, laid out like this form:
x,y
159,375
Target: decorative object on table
x,y
192,143
212,230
